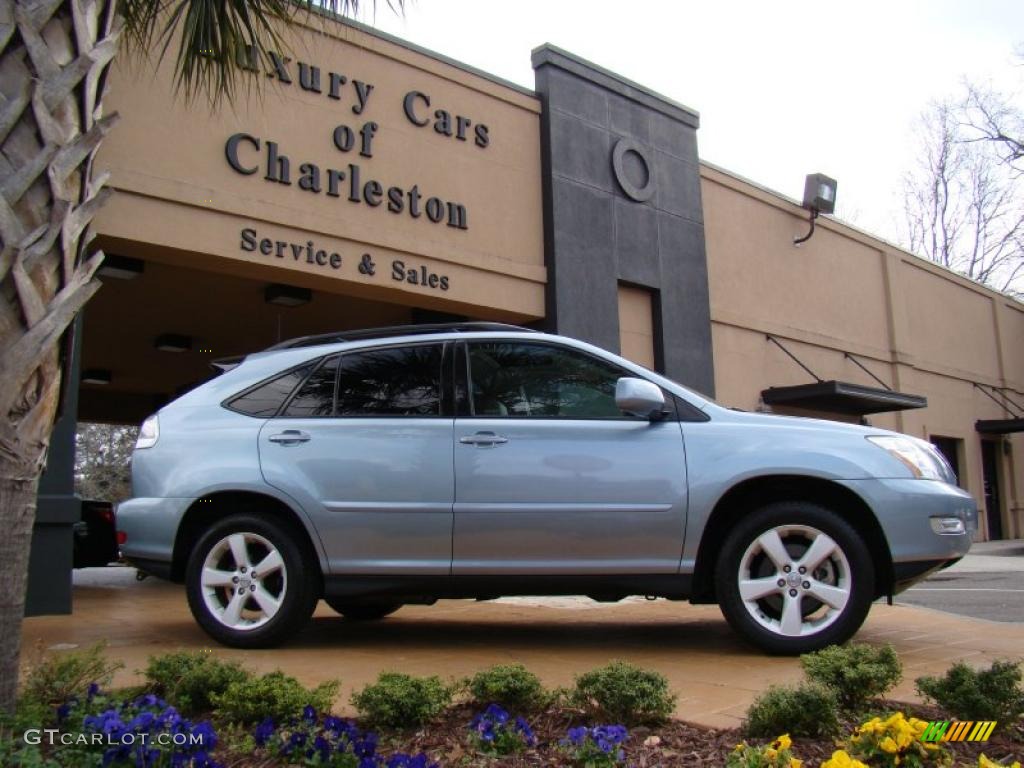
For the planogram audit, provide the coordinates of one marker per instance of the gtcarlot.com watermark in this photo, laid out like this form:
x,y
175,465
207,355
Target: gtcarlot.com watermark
x,y
56,737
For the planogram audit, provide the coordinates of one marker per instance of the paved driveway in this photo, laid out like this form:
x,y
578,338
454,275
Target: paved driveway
x,y
987,584
714,673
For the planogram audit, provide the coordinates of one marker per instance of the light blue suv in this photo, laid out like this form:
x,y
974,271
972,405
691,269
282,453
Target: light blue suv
x,y
379,468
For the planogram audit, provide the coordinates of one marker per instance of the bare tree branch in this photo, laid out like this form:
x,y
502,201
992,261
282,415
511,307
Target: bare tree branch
x,y
964,198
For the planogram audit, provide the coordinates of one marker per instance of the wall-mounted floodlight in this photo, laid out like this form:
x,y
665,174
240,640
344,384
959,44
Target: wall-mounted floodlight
x,y
819,197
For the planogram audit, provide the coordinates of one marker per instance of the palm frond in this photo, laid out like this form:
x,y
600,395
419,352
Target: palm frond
x,y
220,41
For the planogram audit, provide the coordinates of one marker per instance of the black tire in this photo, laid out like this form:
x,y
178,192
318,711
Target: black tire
x,y
296,582
760,620
362,611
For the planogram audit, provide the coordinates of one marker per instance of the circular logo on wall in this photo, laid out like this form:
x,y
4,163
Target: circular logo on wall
x,y
632,167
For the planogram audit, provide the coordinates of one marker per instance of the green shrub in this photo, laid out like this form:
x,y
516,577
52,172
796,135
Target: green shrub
x,y
856,672
808,710
275,695
511,685
397,700
189,679
978,694
624,693
58,677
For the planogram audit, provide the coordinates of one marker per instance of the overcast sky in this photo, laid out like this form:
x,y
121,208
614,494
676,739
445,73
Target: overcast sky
x,y
783,88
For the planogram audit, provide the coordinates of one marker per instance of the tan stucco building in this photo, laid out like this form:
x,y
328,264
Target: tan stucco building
x,y
368,182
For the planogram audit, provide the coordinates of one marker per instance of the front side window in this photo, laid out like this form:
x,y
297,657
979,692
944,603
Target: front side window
x,y
526,380
399,381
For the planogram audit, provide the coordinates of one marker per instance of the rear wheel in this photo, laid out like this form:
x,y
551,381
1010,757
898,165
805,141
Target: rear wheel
x,y
247,582
362,611
794,577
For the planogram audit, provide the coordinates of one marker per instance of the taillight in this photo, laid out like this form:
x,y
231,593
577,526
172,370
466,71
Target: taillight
x,y
122,537
149,433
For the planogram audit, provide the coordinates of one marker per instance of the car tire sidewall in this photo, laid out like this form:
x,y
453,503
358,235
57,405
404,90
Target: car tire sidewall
x,y
361,611
862,576
300,596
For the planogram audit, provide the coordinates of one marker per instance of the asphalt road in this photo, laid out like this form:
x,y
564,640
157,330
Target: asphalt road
x,y
987,584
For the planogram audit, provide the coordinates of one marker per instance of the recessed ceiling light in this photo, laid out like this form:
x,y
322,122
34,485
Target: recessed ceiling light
x,y
96,376
120,267
173,342
287,295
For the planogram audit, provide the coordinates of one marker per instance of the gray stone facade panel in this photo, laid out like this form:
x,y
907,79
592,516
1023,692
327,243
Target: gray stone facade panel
x,y
598,236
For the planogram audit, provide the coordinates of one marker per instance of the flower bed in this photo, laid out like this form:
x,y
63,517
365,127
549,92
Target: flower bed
x,y
139,728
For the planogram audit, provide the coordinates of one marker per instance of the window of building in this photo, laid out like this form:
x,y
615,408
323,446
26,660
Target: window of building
x,y
398,381
636,324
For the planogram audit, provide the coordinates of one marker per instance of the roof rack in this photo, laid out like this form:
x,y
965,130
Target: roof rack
x,y
396,330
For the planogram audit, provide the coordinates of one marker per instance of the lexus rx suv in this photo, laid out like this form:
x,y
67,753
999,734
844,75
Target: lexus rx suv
x,y
380,468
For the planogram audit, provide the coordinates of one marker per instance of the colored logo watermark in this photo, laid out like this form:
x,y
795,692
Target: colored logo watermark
x,y
958,730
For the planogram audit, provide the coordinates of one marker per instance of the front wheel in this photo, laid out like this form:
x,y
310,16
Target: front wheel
x,y
247,584
794,577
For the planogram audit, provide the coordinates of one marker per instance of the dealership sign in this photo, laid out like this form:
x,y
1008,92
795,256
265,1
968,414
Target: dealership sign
x,y
251,155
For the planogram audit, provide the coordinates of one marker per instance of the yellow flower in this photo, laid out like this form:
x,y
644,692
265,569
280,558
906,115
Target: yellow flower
x,y
794,763
783,742
984,762
840,759
770,753
888,745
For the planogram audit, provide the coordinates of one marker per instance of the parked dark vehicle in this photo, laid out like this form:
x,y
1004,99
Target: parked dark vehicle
x,y
96,535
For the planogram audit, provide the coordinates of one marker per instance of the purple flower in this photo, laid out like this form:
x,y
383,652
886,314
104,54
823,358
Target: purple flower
x,y
264,731
309,714
93,691
205,734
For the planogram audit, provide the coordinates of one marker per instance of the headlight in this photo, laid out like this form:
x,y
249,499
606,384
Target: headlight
x,y
921,458
149,433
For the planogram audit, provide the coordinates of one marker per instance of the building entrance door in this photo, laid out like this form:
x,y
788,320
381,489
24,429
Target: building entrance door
x,y
993,502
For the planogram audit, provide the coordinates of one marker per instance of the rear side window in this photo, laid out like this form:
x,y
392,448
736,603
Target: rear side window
x,y
315,398
266,399
399,381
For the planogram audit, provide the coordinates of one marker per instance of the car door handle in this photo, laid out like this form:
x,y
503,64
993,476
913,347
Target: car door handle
x,y
483,439
290,437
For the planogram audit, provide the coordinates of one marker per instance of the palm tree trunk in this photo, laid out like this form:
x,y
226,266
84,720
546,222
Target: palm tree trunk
x,y
53,66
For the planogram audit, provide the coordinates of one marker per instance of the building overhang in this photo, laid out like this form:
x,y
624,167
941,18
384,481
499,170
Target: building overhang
x,y
842,397
999,426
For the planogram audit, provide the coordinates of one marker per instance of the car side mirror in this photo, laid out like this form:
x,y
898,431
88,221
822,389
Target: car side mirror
x,y
639,398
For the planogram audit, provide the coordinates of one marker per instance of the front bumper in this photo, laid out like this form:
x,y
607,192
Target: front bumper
x,y
905,508
150,527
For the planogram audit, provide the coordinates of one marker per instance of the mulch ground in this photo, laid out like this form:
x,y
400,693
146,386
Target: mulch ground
x,y
671,744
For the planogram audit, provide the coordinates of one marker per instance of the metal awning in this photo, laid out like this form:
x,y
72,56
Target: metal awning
x,y
999,426
842,397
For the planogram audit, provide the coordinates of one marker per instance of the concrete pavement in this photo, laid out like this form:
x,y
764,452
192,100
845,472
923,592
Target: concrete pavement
x,y
715,674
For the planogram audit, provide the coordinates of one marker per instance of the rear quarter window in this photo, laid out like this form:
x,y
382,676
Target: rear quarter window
x,y
265,399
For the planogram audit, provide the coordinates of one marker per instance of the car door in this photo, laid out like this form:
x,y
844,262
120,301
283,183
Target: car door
x,y
550,477
365,445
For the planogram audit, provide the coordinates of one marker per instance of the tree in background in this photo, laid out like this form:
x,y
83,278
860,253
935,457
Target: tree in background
x,y
54,60
103,455
964,200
